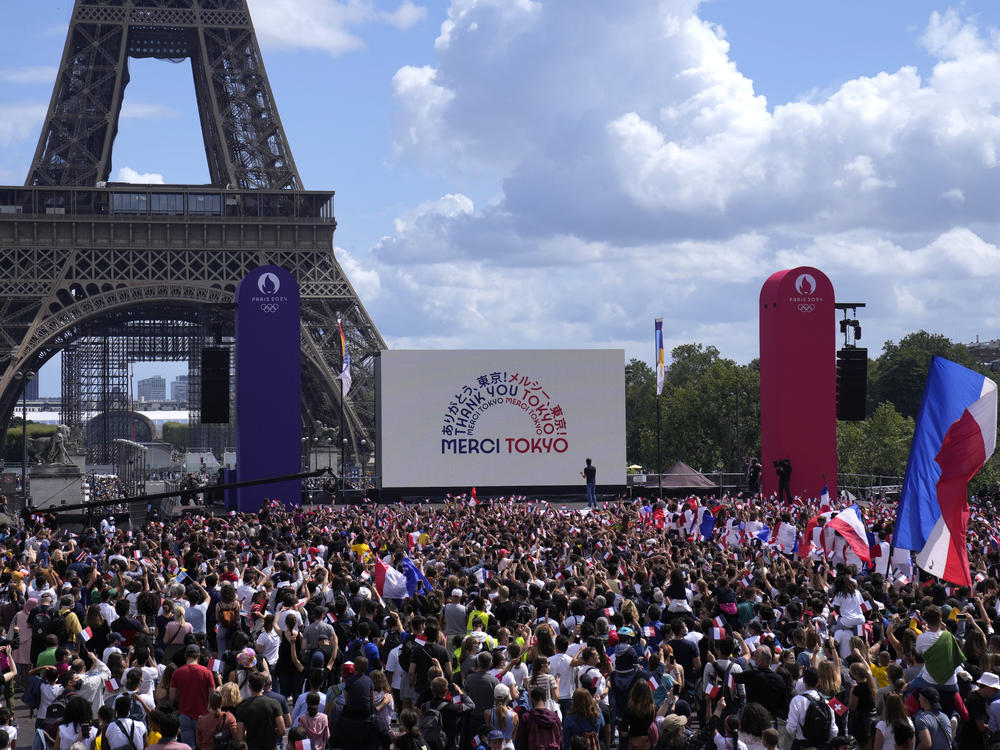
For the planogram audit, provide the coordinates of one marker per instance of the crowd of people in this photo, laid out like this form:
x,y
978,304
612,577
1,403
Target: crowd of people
x,y
635,625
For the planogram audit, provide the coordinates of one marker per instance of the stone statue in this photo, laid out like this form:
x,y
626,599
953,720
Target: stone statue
x,y
51,449
75,443
322,432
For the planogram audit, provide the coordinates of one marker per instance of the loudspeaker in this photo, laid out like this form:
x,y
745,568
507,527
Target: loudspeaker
x,y
215,385
852,384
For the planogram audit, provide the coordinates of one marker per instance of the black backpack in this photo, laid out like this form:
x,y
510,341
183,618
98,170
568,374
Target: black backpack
x,y
222,738
57,627
355,649
56,711
432,727
406,653
40,621
817,721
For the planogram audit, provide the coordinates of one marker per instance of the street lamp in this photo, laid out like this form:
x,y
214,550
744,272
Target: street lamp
x,y
24,376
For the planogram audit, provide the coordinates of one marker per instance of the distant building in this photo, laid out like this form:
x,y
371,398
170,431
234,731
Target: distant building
x,y
152,389
32,389
180,388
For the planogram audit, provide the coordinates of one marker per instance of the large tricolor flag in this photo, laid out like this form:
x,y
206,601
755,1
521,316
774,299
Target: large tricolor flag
x,y
345,370
659,356
956,433
849,525
389,582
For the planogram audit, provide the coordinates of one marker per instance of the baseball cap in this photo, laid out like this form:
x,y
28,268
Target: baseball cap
x,y
192,649
456,592
501,691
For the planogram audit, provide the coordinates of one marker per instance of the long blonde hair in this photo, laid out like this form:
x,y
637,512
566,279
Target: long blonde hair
x,y
829,678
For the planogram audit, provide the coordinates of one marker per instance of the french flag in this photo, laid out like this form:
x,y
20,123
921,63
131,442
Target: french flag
x,y
824,498
956,433
849,525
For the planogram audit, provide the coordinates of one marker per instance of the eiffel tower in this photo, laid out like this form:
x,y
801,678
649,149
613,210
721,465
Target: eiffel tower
x,y
85,261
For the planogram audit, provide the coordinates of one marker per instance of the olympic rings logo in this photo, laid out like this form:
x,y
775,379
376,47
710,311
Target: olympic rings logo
x,y
806,308
269,307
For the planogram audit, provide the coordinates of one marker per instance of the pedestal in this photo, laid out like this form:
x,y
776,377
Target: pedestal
x,y
54,485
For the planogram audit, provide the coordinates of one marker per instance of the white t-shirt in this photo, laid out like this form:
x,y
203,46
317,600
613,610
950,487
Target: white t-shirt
x,y
725,743
924,641
394,669
134,734
70,733
888,738
150,676
560,669
269,643
850,608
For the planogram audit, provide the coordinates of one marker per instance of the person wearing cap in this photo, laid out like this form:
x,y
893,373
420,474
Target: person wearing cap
x,y
975,732
190,687
932,725
501,718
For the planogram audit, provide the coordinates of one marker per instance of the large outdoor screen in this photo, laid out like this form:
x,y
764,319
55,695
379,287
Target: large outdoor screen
x,y
500,418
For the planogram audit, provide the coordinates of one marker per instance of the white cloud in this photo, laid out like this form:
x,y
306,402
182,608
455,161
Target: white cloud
x,y
325,25
365,281
19,121
640,174
33,74
127,174
406,15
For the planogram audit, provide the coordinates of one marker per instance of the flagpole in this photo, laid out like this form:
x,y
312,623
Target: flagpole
x,y
659,466
343,437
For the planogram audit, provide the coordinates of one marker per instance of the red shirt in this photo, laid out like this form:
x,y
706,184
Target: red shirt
x,y
193,683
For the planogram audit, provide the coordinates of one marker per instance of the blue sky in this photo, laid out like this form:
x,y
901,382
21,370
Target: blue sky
x,y
533,173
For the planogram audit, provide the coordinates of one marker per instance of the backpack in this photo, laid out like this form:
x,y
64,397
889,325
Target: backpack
x,y
136,711
547,737
57,709
355,649
228,618
816,723
32,697
57,627
222,738
432,727
40,620
592,740
406,653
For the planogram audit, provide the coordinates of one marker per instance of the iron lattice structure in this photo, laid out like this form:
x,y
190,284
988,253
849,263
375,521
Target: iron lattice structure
x,y
79,256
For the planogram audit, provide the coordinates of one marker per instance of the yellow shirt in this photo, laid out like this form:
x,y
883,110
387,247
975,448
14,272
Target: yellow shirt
x,y
363,550
880,675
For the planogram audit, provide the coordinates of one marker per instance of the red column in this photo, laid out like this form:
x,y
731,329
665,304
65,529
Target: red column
x,y
798,380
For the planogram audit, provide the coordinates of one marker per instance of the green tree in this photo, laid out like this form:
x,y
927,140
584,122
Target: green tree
x,y
878,445
640,414
899,374
13,450
697,410
177,433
